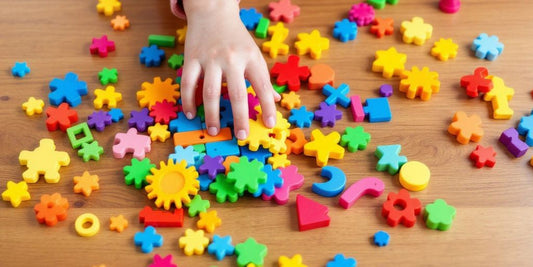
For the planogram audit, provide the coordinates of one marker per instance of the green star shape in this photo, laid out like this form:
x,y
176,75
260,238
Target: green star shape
x,y
223,189
439,215
389,158
250,252
200,148
108,76
90,151
175,61
197,205
355,138
136,172
247,175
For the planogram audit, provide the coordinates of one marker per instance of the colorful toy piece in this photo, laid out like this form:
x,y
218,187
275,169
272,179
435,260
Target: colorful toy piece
x,y
20,69
279,161
108,76
61,117
182,34
366,186
311,214
358,114
290,100
478,82
414,176
385,90
418,82
500,95
340,261
295,141
51,209
223,189
324,147
181,124
67,90
466,128
107,7
311,43
212,166
43,160
159,132
151,56
102,46
355,138
525,127
439,215
334,186
378,109
276,46
90,151
197,205
487,47
209,221
292,180
99,120
131,142
250,252
381,238
327,114
389,158
193,242
221,247
33,106
163,112
362,14
86,183
118,223
389,62
116,114
120,23
16,193
247,175
483,156
188,154
444,49
380,4
321,74
449,6
158,91
381,27
250,18
295,261
87,218
509,138
162,40
410,207
82,128
290,73
301,117
148,239
261,31
273,181
140,120
106,97
416,31
283,10
337,96
345,30
158,218
175,61
162,262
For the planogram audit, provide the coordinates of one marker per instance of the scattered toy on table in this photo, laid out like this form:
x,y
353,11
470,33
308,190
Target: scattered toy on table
x,y
500,95
279,161
355,138
382,26
389,158
525,127
209,221
377,109
159,132
324,147
182,34
67,90
312,43
175,61
84,219
449,6
61,117
120,23
98,120
358,113
279,88
197,205
162,262
159,218
148,239
74,131
116,114
416,31
118,223
385,90
158,91
380,4
295,141
246,175
290,100
250,18
222,148
140,120
16,193
193,242
223,189
271,138
151,56
381,238
340,261
290,73
273,181
108,7
345,30
131,142
366,186
509,138
90,151
86,183
444,49
253,102
261,31
477,82
188,154
101,46
212,166
221,247
33,106
410,208
466,128
362,14
20,69
389,62
487,47
301,117
292,180
295,261
107,76
283,10
337,95
483,156
419,82
260,155
250,252
335,184
162,40
439,215
276,46
327,114
44,160
106,97
51,209
414,176
320,75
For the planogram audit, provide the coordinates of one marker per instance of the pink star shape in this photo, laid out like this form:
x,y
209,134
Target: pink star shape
x,y
283,10
102,46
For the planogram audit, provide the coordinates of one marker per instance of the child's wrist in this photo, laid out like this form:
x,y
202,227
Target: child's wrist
x,y
202,8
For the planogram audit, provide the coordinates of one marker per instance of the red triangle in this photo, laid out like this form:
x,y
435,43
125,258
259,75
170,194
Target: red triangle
x,y
311,214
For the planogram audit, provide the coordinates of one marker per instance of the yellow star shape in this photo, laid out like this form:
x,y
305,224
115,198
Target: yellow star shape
x,y
194,242
290,100
390,62
107,96
295,261
444,49
108,6
311,43
33,106
118,223
416,31
324,147
209,221
86,183
182,34
278,31
421,83
275,48
16,193
279,161
159,132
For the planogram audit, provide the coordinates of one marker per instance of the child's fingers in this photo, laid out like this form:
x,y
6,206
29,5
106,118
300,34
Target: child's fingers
x,y
239,101
260,79
189,79
211,94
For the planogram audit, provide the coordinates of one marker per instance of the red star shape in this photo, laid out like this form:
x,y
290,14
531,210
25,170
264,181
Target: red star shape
x,y
290,73
483,156
477,82
62,116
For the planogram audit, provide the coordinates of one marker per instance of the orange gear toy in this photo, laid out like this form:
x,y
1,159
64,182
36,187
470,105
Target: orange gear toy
x,y
172,183
407,215
157,91
51,209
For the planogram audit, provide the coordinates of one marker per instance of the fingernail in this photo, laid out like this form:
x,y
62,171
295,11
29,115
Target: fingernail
x,y
212,131
270,122
241,134
189,116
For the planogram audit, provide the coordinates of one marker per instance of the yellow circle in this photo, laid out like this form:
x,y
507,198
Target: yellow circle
x,y
87,231
414,176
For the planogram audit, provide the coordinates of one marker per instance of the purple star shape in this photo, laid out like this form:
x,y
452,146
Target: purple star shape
x,y
327,114
99,120
212,166
140,120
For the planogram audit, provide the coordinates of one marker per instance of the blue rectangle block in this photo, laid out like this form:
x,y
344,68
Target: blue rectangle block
x,y
182,124
223,148
378,109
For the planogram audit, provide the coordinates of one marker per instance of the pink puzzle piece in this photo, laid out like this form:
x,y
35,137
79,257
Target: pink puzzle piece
x,y
292,180
102,46
366,186
357,108
131,142
283,10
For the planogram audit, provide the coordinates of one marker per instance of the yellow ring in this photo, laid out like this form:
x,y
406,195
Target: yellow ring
x,y
87,218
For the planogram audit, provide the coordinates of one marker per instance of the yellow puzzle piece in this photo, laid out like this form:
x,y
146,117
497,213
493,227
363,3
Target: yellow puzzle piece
x,y
421,83
390,62
444,49
33,106
182,34
194,242
324,147
159,132
276,46
43,160
209,221
416,31
106,97
311,43
295,261
500,95
108,6
16,193
279,161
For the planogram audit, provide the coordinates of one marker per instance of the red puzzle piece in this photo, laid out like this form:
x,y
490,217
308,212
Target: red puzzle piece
x,y
311,214
478,82
381,27
163,112
61,116
290,73
102,46
407,215
483,156
283,10
157,218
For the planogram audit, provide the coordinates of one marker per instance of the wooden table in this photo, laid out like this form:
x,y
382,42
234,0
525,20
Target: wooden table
x,y
494,205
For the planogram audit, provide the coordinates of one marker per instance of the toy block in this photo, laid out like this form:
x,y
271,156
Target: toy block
x,y
188,154
283,10
131,142
340,261
292,180
290,73
250,252
389,62
197,205
116,114
118,223
380,4
414,176
176,61
345,30
253,103
311,214
377,109
356,108
193,242
87,219
107,7
108,76
525,127
51,209
212,166
223,148
162,262
90,151
500,95
381,238
509,138
136,172
279,161
250,18
209,221
101,46
320,75
269,138
385,90
416,31
182,34
389,158
275,47
140,120
410,208
151,56
273,181
86,183
261,31
295,261
295,141
444,49
20,69
120,23
301,117
439,215
61,117
181,124
327,114
106,97
290,100
449,6
487,47
158,218
33,106
337,96
231,159
355,138
221,247
260,155
335,184
366,186
362,14
312,44
43,160
16,193
279,88
324,147
99,120
483,156
162,40
478,82
246,175
148,239
67,90
200,137
74,131
466,128
419,82
159,132
278,32
382,26
223,189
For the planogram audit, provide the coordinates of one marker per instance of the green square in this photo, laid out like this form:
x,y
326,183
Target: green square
x,y
78,129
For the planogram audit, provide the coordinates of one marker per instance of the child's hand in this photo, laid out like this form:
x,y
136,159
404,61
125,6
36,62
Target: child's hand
x,y
219,46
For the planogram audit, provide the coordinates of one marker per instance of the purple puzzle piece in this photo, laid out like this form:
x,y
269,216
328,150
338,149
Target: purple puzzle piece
x,y
385,90
328,114
509,138
99,120
253,101
212,166
140,120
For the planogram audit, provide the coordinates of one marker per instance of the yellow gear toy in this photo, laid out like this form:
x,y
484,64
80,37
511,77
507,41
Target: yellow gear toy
x,y
157,91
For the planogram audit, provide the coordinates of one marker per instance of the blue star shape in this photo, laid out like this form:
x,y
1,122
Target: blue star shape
x,y
327,114
345,30
20,69
250,18
152,56
260,155
525,127
116,114
221,247
301,117
273,181
340,261
188,154
182,124
140,120
148,239
381,238
389,158
205,181
337,96
487,47
67,90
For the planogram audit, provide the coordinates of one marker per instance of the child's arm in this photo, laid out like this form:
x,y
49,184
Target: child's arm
x,y
219,47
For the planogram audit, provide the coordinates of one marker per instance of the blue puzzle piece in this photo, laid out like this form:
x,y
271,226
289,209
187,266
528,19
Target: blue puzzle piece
x,y
250,18
301,117
148,239
381,238
273,181
116,114
67,90
223,148
345,30
221,247
260,155
182,124
377,109
334,186
188,154
226,114
140,120
389,158
487,47
340,261
337,96
152,56
20,69
525,127
205,181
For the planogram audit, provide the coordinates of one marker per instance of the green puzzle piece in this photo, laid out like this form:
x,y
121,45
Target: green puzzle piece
x,y
136,172
250,252
247,175
223,189
355,138
197,205
175,61
380,4
82,128
439,215
389,158
90,151
108,76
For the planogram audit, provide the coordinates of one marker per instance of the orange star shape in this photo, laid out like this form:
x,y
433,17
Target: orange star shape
x,y
209,221
381,27
120,23
290,100
86,183
118,223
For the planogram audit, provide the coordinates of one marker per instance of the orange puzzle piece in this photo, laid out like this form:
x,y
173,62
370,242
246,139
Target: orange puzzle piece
x,y
290,100
466,128
321,74
118,223
86,183
295,141
209,221
381,27
51,209
200,137
120,23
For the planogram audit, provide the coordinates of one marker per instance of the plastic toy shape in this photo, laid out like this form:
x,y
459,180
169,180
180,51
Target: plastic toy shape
x,y
509,138
162,262
260,155
84,219
250,18
102,46
416,31
449,6
279,31
345,30
118,223
16,193
295,261
414,176
209,221
380,4
337,96
43,160
198,205
483,156
311,43
410,207
20,69
86,183
382,26
250,252
301,117
107,76
324,147
120,23
163,112
223,189
487,47
157,91
61,117
362,14
175,61
159,132
99,120
158,218
275,46
151,56
212,166
90,151
106,97
334,186
381,238
279,161
389,158
221,247
321,74
283,10
162,40
131,142
107,7
188,154
500,95
247,175
366,186
439,215
261,31
75,130
389,62
148,239
231,159
116,114
67,90
290,100
182,34
136,172
444,49
290,73
223,148
356,108
377,109
340,261
355,138
193,242
259,135
182,124
33,106
466,128
140,120
478,82
327,114
51,209
421,83
525,127
385,90
273,181
296,142
292,180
